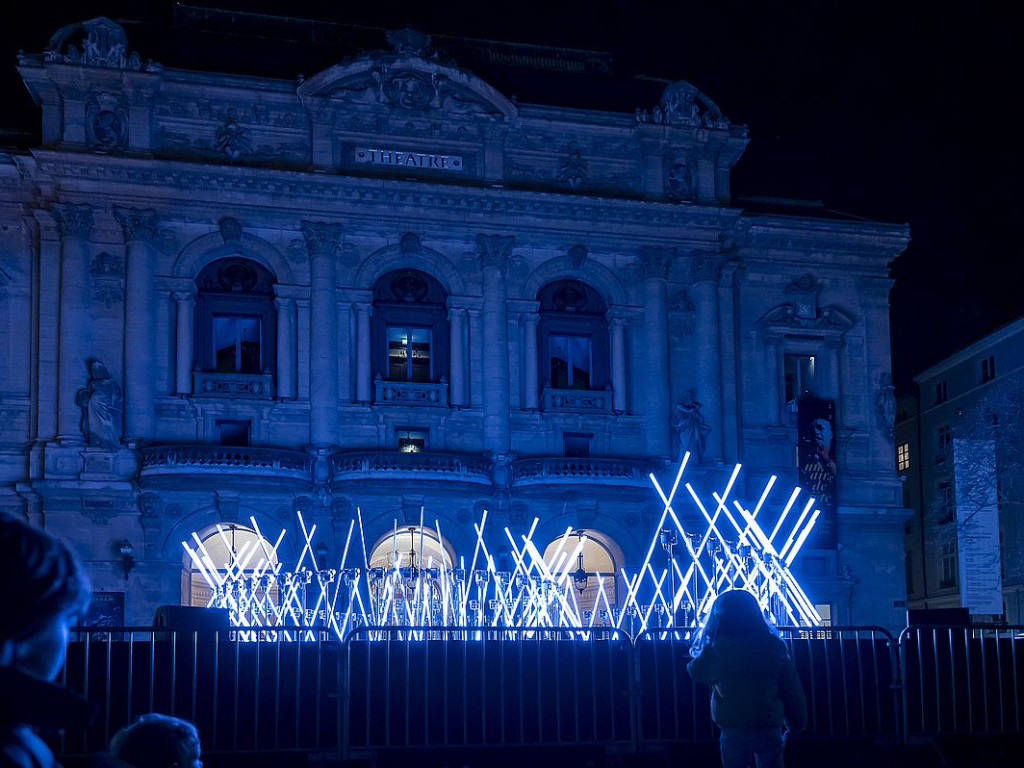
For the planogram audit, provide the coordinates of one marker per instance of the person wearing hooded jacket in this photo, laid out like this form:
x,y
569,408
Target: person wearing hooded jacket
x,y
756,694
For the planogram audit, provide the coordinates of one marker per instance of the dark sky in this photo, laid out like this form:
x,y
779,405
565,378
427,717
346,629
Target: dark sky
x,y
898,112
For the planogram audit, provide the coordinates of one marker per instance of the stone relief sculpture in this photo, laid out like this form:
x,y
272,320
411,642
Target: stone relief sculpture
x,y
690,426
102,408
885,404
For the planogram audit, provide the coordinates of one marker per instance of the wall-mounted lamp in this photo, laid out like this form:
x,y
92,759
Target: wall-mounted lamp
x,y
127,557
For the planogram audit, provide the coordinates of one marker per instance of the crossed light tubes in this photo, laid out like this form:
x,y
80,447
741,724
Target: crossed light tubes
x,y
312,601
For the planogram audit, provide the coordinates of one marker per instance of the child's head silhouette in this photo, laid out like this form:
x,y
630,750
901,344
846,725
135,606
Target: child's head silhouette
x,y
735,613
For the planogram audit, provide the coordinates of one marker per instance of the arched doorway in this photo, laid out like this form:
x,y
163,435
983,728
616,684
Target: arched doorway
x,y
586,559
409,582
231,555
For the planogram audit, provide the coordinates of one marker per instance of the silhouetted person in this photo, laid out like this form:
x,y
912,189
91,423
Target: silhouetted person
x,y
157,741
755,689
43,591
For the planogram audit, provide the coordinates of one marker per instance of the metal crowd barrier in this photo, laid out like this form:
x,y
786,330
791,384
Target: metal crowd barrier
x,y
962,680
442,687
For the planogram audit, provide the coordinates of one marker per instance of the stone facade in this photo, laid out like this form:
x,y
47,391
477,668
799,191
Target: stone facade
x,y
971,400
287,283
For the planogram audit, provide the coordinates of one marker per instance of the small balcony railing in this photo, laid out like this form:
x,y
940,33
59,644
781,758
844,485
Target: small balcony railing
x,y
411,393
213,384
165,460
579,400
583,470
419,466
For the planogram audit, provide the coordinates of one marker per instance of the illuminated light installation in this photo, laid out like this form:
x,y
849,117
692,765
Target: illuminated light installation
x,y
729,550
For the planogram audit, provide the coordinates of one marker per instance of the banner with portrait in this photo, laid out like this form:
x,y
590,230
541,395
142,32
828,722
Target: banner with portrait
x,y
816,457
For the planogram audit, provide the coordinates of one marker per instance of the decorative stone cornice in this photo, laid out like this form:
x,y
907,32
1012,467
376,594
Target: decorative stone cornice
x,y
73,220
495,250
655,262
138,224
321,239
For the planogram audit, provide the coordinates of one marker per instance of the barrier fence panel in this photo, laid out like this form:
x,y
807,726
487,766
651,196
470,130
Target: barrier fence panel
x,y
847,674
849,677
436,687
962,680
268,694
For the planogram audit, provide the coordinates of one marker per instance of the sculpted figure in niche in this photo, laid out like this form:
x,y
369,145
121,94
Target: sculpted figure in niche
x,y
102,408
690,427
680,182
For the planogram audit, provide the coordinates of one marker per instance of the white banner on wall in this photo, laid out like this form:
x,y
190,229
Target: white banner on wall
x,y
977,525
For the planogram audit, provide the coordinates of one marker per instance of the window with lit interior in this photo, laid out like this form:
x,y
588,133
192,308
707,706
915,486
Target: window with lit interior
x,y
410,328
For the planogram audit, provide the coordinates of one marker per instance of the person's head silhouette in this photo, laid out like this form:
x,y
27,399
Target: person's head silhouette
x,y
44,591
157,741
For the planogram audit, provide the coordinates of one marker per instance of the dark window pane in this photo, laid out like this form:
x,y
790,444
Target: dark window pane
x,y
559,357
580,359
420,360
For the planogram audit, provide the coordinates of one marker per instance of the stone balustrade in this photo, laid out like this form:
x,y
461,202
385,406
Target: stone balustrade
x,y
212,384
411,393
270,463
376,465
580,470
585,400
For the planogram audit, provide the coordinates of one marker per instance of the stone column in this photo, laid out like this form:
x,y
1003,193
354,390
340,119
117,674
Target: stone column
x,y
456,322
531,400
140,229
475,356
185,302
655,264
285,347
364,311
75,224
494,252
618,325
707,363
322,246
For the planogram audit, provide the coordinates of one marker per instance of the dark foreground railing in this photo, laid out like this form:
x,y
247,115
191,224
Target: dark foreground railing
x,y
445,688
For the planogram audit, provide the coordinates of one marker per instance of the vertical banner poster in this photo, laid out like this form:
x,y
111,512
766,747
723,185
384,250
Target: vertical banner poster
x,y
106,609
977,525
816,454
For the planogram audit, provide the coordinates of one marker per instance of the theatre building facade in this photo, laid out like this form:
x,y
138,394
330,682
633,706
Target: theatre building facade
x,y
389,293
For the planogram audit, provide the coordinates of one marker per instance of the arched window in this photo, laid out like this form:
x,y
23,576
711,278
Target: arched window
x,y
572,339
412,561
235,329
410,334
591,570
236,553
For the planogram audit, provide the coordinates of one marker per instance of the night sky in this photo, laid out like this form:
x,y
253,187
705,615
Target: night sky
x,y
897,112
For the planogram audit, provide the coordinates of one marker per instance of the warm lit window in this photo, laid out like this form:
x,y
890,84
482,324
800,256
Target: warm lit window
x,y
409,354
571,361
799,371
903,457
988,368
412,440
941,392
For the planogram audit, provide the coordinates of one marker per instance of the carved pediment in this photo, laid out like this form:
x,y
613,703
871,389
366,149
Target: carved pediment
x,y
407,81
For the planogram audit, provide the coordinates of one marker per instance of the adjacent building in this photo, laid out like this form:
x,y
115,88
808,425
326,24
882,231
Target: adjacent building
x,y
960,447
388,290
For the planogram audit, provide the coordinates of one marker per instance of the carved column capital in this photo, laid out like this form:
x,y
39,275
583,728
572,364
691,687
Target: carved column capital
x,y
456,313
184,297
495,251
138,224
73,220
655,262
706,268
321,239
363,308
284,302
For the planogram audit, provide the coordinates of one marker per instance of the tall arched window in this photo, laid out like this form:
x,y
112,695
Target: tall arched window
x,y
236,553
572,338
235,329
411,344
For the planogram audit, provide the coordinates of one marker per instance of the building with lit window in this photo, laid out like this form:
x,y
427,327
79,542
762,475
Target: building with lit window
x,y
388,290
959,452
